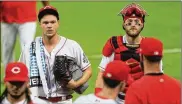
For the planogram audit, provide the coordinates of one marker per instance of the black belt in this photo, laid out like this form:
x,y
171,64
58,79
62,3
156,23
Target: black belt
x,y
56,99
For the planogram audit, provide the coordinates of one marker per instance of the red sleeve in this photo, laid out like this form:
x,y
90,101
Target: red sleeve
x,y
132,97
107,49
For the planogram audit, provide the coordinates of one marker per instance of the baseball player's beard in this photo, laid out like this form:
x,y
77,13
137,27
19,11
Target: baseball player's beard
x,y
17,96
132,34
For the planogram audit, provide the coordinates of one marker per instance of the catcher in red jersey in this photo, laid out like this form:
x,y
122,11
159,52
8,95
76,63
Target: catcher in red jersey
x,y
125,47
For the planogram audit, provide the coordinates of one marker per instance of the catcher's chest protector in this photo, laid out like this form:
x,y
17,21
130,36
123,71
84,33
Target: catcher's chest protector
x,y
122,51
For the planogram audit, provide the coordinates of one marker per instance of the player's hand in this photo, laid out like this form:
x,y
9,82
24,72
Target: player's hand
x,y
72,84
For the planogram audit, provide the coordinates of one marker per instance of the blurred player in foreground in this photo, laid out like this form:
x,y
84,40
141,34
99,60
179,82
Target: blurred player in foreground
x,y
114,77
154,87
17,86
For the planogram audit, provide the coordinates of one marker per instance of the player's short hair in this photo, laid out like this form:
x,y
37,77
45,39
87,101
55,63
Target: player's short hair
x,y
154,58
48,10
110,82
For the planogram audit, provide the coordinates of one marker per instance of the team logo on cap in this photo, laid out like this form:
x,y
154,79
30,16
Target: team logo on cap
x,y
156,53
15,70
109,75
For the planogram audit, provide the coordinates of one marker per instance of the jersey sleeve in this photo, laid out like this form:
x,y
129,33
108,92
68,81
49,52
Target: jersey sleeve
x,y
81,57
104,61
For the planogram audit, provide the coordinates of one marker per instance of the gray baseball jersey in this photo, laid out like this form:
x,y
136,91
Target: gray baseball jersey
x,y
64,47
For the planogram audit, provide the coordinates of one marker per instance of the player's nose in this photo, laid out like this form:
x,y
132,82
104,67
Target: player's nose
x,y
133,23
14,87
49,25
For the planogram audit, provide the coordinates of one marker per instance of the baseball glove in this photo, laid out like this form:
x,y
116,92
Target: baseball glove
x,y
61,73
65,68
135,73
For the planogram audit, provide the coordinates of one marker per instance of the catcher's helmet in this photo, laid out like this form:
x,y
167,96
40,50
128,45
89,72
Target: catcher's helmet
x,y
133,10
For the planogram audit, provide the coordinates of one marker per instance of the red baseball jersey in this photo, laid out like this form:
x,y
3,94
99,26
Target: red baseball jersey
x,y
154,89
18,11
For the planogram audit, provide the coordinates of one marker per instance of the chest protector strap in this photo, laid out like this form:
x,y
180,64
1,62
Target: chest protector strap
x,y
122,51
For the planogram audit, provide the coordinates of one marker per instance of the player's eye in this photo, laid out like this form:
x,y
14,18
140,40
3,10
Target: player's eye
x,y
53,22
129,23
45,22
137,22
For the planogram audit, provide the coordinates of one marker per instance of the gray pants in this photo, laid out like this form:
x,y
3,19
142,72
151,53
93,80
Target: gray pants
x,y
9,33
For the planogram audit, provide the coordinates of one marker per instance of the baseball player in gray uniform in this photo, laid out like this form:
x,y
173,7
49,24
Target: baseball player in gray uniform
x,y
114,77
41,55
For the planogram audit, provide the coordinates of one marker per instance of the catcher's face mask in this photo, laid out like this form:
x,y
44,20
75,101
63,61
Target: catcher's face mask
x,y
129,10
